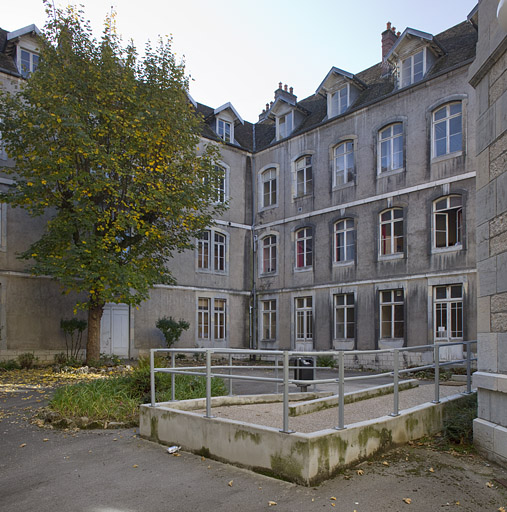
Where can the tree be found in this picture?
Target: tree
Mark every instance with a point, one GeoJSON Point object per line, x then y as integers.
{"type": "Point", "coordinates": [171, 329]}
{"type": "Point", "coordinates": [106, 144]}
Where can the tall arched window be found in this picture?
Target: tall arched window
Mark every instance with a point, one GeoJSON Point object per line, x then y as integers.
{"type": "Point", "coordinates": [447, 131]}
{"type": "Point", "coordinates": [269, 254]}
{"type": "Point", "coordinates": [304, 248]}
{"type": "Point", "coordinates": [448, 222]}
{"type": "Point", "coordinates": [344, 241]}
{"type": "Point", "coordinates": [390, 148]}
{"type": "Point", "coordinates": [344, 163]}
{"type": "Point", "coordinates": [269, 187]}
{"type": "Point", "coordinates": [391, 232]}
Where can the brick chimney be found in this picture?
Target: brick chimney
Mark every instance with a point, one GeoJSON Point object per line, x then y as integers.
{"type": "Point", "coordinates": [389, 37]}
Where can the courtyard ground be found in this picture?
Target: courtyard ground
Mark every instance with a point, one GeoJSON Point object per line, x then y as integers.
{"type": "Point", "coordinates": [116, 471]}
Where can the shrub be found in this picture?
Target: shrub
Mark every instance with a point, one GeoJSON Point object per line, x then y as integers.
{"type": "Point", "coordinates": [73, 330]}
{"type": "Point", "coordinates": [458, 420]}
{"type": "Point", "coordinates": [326, 362]}
{"type": "Point", "coordinates": [11, 364]}
{"type": "Point", "coordinates": [27, 360]}
{"type": "Point", "coordinates": [171, 329]}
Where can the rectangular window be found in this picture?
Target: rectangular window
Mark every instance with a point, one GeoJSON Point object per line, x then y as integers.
{"type": "Point", "coordinates": [268, 308]}
{"type": "Point", "coordinates": [212, 251]}
{"type": "Point", "coordinates": [448, 311]}
{"type": "Point", "coordinates": [391, 232]}
{"type": "Point", "coordinates": [344, 322]}
{"type": "Point", "coordinates": [304, 319]}
{"type": "Point", "coordinates": [285, 126]}
{"type": "Point", "coordinates": [203, 251]}
{"type": "Point", "coordinates": [304, 248]}
{"type": "Point", "coordinates": [345, 241]}
{"type": "Point", "coordinates": [203, 318]}
{"type": "Point", "coordinates": [391, 148]}
{"type": "Point", "coordinates": [269, 255]}
{"type": "Point", "coordinates": [447, 129]}
{"type": "Point", "coordinates": [304, 176]}
{"type": "Point", "coordinates": [344, 163]}
{"type": "Point", "coordinates": [268, 178]}
{"type": "Point", "coordinates": [219, 319]}
{"type": "Point", "coordinates": [29, 63]}
{"type": "Point", "coordinates": [392, 314]}
{"type": "Point", "coordinates": [412, 69]}
{"type": "Point", "coordinates": [224, 130]}
{"type": "Point", "coordinates": [340, 101]}
{"type": "Point", "coordinates": [448, 222]}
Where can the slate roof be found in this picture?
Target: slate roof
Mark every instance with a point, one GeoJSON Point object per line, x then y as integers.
{"type": "Point", "coordinates": [459, 45]}
{"type": "Point", "coordinates": [7, 64]}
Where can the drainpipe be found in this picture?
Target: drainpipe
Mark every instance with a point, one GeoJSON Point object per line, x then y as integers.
{"type": "Point", "coordinates": [253, 315]}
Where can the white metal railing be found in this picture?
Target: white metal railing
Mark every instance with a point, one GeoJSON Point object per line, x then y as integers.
{"type": "Point", "coordinates": [208, 371]}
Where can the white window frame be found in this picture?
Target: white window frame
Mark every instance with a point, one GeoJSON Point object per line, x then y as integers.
{"type": "Point", "coordinates": [284, 125]}
{"type": "Point", "coordinates": [269, 254]}
{"type": "Point", "coordinates": [344, 236]}
{"type": "Point", "coordinates": [212, 251]}
{"type": "Point", "coordinates": [447, 218]}
{"type": "Point", "coordinates": [448, 122]}
{"type": "Point", "coordinates": [222, 125]}
{"type": "Point", "coordinates": [391, 306]}
{"type": "Point", "coordinates": [212, 319]}
{"type": "Point", "coordinates": [269, 181]}
{"type": "Point", "coordinates": [32, 66]}
{"type": "Point", "coordinates": [386, 148]}
{"type": "Point", "coordinates": [303, 318]}
{"type": "Point", "coordinates": [344, 311]}
{"type": "Point", "coordinates": [343, 163]}
{"type": "Point", "coordinates": [303, 176]}
{"type": "Point", "coordinates": [447, 311]}
{"type": "Point", "coordinates": [203, 318]}
{"type": "Point", "coordinates": [392, 225]}
{"type": "Point", "coordinates": [269, 318]}
{"type": "Point", "coordinates": [303, 238]}
{"type": "Point", "coordinates": [407, 68]}
{"type": "Point", "coordinates": [339, 101]}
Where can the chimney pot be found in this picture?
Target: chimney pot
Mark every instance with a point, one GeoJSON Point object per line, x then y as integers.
{"type": "Point", "coordinates": [291, 90]}
{"type": "Point", "coordinates": [389, 38]}
{"type": "Point", "coordinates": [279, 85]}
{"type": "Point", "coordinates": [388, 25]}
{"type": "Point", "coordinates": [394, 30]}
{"type": "Point", "coordinates": [270, 104]}
{"type": "Point", "coordinates": [267, 106]}
{"type": "Point", "coordinates": [285, 87]}
{"type": "Point", "coordinates": [398, 34]}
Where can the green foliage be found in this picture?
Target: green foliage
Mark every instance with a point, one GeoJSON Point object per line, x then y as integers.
{"type": "Point", "coordinates": [171, 329]}
{"type": "Point", "coordinates": [108, 145]}
{"type": "Point", "coordinates": [73, 330]}
{"type": "Point", "coordinates": [105, 360]}
{"type": "Point", "coordinates": [27, 360]}
{"type": "Point", "coordinates": [118, 398]}
{"type": "Point", "coordinates": [10, 364]}
{"type": "Point", "coordinates": [458, 420]}
{"type": "Point", "coordinates": [326, 362]}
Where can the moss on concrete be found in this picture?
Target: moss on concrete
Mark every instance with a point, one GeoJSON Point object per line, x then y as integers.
{"type": "Point", "coordinates": [287, 467]}
{"type": "Point", "coordinates": [245, 435]}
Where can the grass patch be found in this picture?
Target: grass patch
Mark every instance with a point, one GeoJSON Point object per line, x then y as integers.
{"type": "Point", "coordinates": [117, 398]}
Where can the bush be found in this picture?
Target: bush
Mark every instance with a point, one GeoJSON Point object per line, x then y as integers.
{"type": "Point", "coordinates": [73, 330]}
{"type": "Point", "coordinates": [11, 364]}
{"type": "Point", "coordinates": [458, 420]}
{"type": "Point", "coordinates": [326, 362]}
{"type": "Point", "coordinates": [27, 360]}
{"type": "Point", "coordinates": [105, 360]}
{"type": "Point", "coordinates": [171, 329]}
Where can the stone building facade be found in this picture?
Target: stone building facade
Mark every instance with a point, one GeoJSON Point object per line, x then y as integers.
{"type": "Point", "coordinates": [351, 225]}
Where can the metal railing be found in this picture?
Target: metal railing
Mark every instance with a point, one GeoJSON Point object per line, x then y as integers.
{"type": "Point", "coordinates": [210, 371]}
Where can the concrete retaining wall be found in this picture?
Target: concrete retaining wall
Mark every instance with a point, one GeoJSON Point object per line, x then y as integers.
{"type": "Point", "coordinates": [302, 458]}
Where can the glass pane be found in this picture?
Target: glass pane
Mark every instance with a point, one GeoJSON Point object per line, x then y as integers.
{"type": "Point", "coordinates": [455, 108]}
{"type": "Point", "coordinates": [397, 129]}
{"type": "Point", "coordinates": [456, 291]}
{"type": "Point", "coordinates": [440, 292]}
{"type": "Point", "coordinates": [386, 216]}
{"type": "Point", "coordinates": [386, 296]}
{"type": "Point", "coordinates": [398, 213]}
{"type": "Point", "coordinates": [440, 113]}
{"type": "Point", "coordinates": [455, 201]}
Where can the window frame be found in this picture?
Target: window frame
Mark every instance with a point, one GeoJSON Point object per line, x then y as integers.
{"type": "Point", "coordinates": [305, 243]}
{"type": "Point", "coordinates": [305, 312]}
{"type": "Point", "coordinates": [453, 305]}
{"type": "Point", "coordinates": [25, 73]}
{"type": "Point", "coordinates": [347, 232]}
{"type": "Point", "coordinates": [336, 105]}
{"type": "Point", "coordinates": [221, 129]}
{"type": "Point", "coordinates": [272, 315]}
{"type": "Point", "coordinates": [459, 223]}
{"type": "Point", "coordinates": [394, 252]}
{"type": "Point", "coordinates": [447, 120]}
{"type": "Point", "coordinates": [212, 252]}
{"type": "Point", "coordinates": [272, 189]}
{"type": "Point", "coordinates": [287, 121]}
{"type": "Point", "coordinates": [212, 319]}
{"type": "Point", "coordinates": [349, 171]}
{"type": "Point", "coordinates": [391, 140]}
{"type": "Point", "coordinates": [412, 80]}
{"type": "Point", "coordinates": [346, 307]}
{"type": "Point", "coordinates": [391, 306]}
{"type": "Point", "coordinates": [303, 165]}
{"type": "Point", "coordinates": [272, 250]}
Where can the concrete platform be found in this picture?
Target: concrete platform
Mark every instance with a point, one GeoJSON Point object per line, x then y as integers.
{"type": "Point", "coordinates": [246, 430]}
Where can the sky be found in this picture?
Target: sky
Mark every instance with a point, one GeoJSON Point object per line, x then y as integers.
{"type": "Point", "coordinates": [238, 51]}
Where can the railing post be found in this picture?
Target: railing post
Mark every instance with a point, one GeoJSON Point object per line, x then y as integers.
{"type": "Point", "coordinates": [469, 368]}
{"type": "Point", "coordinates": [285, 428]}
{"type": "Point", "coordinates": [152, 377]}
{"type": "Point", "coordinates": [396, 355]}
{"type": "Point", "coordinates": [173, 377]}
{"type": "Point", "coordinates": [276, 375]}
{"type": "Point", "coordinates": [230, 373]}
{"type": "Point", "coordinates": [341, 392]}
{"type": "Point", "coordinates": [208, 383]}
{"type": "Point", "coordinates": [436, 360]}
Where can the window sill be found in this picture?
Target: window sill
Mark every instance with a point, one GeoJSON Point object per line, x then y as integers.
{"type": "Point", "coordinates": [389, 257]}
{"type": "Point", "coordinates": [447, 156]}
{"type": "Point", "coordinates": [343, 344]}
{"type": "Point", "coordinates": [213, 272]}
{"type": "Point", "coordinates": [297, 198]}
{"type": "Point", "coordinates": [268, 274]}
{"type": "Point", "coordinates": [391, 343]}
{"type": "Point", "coordinates": [347, 263]}
{"type": "Point", "coordinates": [302, 269]}
{"type": "Point", "coordinates": [342, 186]}
{"type": "Point", "coordinates": [270, 207]}
{"type": "Point", "coordinates": [392, 172]}
{"type": "Point", "coordinates": [444, 250]}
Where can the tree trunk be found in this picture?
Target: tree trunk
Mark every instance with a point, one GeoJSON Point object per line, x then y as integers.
{"type": "Point", "coordinates": [93, 339]}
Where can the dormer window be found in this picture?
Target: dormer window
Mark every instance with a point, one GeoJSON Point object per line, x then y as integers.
{"type": "Point", "coordinates": [224, 130]}
{"type": "Point", "coordinates": [412, 68]}
{"type": "Point", "coordinates": [284, 125]}
{"type": "Point", "coordinates": [28, 63]}
{"type": "Point", "coordinates": [340, 101]}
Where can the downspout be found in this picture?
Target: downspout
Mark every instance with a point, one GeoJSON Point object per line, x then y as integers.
{"type": "Point", "coordinates": [253, 315]}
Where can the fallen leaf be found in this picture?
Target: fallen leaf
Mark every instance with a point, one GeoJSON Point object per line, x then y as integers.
{"type": "Point", "coordinates": [385, 463]}
{"type": "Point", "coordinates": [333, 504]}
{"type": "Point", "coordinates": [45, 439]}
{"type": "Point", "coordinates": [360, 472]}
{"type": "Point", "coordinates": [209, 467]}
{"type": "Point", "coordinates": [134, 466]}
{"type": "Point", "coordinates": [431, 470]}
{"type": "Point", "coordinates": [203, 458]}
{"type": "Point", "coordinates": [489, 484]}
{"type": "Point", "coordinates": [230, 483]}
{"type": "Point", "coordinates": [272, 503]}
{"type": "Point", "coordinates": [408, 501]}
{"type": "Point", "coordinates": [457, 503]}
{"type": "Point", "coordinates": [332, 498]}
{"type": "Point", "coordinates": [176, 454]}
{"type": "Point", "coordinates": [22, 445]}
{"type": "Point", "coordinates": [501, 509]}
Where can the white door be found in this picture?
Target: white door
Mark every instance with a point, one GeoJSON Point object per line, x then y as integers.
{"type": "Point", "coordinates": [114, 330]}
